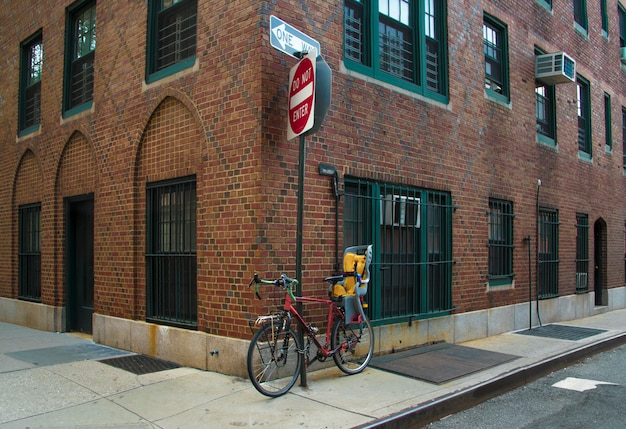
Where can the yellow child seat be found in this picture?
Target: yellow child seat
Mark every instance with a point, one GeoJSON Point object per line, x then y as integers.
{"type": "Point", "coordinates": [356, 260]}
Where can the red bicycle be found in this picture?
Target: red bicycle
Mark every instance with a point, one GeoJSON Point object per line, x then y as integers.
{"type": "Point", "coordinates": [276, 355]}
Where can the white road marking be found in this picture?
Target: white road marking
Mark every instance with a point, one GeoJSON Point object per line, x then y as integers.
{"type": "Point", "coordinates": [579, 384]}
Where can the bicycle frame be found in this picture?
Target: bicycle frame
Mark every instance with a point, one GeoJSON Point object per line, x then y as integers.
{"type": "Point", "coordinates": [333, 313]}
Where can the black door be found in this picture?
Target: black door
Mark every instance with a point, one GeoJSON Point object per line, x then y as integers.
{"type": "Point", "coordinates": [598, 272]}
{"type": "Point", "coordinates": [79, 263]}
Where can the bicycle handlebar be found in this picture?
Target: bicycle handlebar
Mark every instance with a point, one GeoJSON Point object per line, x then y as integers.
{"type": "Point", "coordinates": [284, 282]}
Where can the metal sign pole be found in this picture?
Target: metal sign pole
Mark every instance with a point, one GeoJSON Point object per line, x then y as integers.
{"type": "Point", "coordinates": [302, 157]}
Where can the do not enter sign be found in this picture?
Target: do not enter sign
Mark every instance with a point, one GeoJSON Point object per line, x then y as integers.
{"type": "Point", "coordinates": [301, 96]}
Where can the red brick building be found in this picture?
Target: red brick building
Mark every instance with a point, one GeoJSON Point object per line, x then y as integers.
{"type": "Point", "coordinates": [147, 172]}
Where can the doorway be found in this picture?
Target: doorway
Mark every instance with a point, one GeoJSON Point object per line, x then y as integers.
{"type": "Point", "coordinates": [79, 263]}
{"type": "Point", "coordinates": [599, 263]}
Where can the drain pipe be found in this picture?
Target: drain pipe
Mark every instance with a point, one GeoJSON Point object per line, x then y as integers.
{"type": "Point", "coordinates": [537, 249]}
{"type": "Point", "coordinates": [530, 285]}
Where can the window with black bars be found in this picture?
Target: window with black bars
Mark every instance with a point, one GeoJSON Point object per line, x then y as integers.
{"type": "Point", "coordinates": [171, 253]}
{"type": "Point", "coordinates": [548, 257]}
{"type": "Point", "coordinates": [624, 137]}
{"type": "Point", "coordinates": [621, 14]}
{"type": "Point", "coordinates": [604, 13]}
{"type": "Point", "coordinates": [580, 13]}
{"type": "Point", "coordinates": [29, 253]}
{"type": "Point", "coordinates": [500, 243]}
{"type": "Point", "coordinates": [582, 253]}
{"type": "Point", "coordinates": [584, 115]}
{"type": "Point", "coordinates": [30, 83]}
{"type": "Point", "coordinates": [398, 41]}
{"type": "Point", "coordinates": [173, 36]}
{"type": "Point", "coordinates": [608, 133]}
{"type": "Point", "coordinates": [411, 232]}
{"type": "Point", "coordinates": [81, 52]}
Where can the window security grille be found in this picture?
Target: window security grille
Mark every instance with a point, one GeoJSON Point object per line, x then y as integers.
{"type": "Point", "coordinates": [29, 253]}
{"type": "Point", "coordinates": [411, 229]}
{"type": "Point", "coordinates": [582, 253]}
{"type": "Point", "coordinates": [500, 242]}
{"type": "Point", "coordinates": [171, 253]}
{"type": "Point", "coordinates": [548, 258]}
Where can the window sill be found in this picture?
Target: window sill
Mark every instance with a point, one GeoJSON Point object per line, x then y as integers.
{"type": "Point", "coordinates": [188, 64]}
{"type": "Point", "coordinates": [547, 142]}
{"type": "Point", "coordinates": [441, 101]}
{"type": "Point", "coordinates": [29, 132]}
{"type": "Point", "coordinates": [584, 156]}
{"type": "Point", "coordinates": [498, 98]}
{"type": "Point", "coordinates": [75, 111]}
{"type": "Point", "coordinates": [500, 283]}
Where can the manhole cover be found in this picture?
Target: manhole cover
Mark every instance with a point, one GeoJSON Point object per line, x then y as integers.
{"type": "Point", "coordinates": [562, 332]}
{"type": "Point", "coordinates": [140, 364]}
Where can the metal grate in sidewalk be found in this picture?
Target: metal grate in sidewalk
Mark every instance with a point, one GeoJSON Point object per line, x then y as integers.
{"type": "Point", "coordinates": [562, 332]}
{"type": "Point", "coordinates": [140, 364]}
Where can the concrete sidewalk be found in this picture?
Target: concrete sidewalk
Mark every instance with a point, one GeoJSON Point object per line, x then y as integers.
{"type": "Point", "coordinates": [57, 380]}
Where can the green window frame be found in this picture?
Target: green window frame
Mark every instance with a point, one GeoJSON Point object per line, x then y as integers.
{"type": "Point", "coordinates": [546, 113]}
{"type": "Point", "coordinates": [399, 42]}
{"type": "Point", "coordinates": [411, 229]}
{"type": "Point", "coordinates": [171, 266]}
{"type": "Point", "coordinates": [80, 52]}
{"type": "Point", "coordinates": [580, 15]}
{"type": "Point", "coordinates": [546, 3]}
{"type": "Point", "coordinates": [500, 240]}
{"type": "Point", "coordinates": [584, 116]}
{"type": "Point", "coordinates": [582, 253]}
{"type": "Point", "coordinates": [495, 41]}
{"type": "Point", "coordinates": [608, 132]}
{"type": "Point", "coordinates": [29, 252]}
{"type": "Point", "coordinates": [621, 14]}
{"type": "Point", "coordinates": [31, 65]}
{"type": "Point", "coordinates": [548, 257]}
{"type": "Point", "coordinates": [604, 13]}
{"type": "Point", "coordinates": [624, 137]}
{"type": "Point", "coordinates": [172, 37]}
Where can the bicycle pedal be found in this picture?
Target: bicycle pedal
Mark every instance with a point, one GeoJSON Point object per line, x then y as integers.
{"type": "Point", "coordinates": [364, 305]}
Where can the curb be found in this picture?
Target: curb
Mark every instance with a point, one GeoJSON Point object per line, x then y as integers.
{"type": "Point", "coordinates": [472, 396]}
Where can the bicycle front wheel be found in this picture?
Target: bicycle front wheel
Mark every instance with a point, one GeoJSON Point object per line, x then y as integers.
{"type": "Point", "coordinates": [274, 360]}
{"type": "Point", "coordinates": [356, 345]}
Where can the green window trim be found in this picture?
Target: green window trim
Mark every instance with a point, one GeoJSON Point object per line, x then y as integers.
{"type": "Point", "coordinates": [171, 265]}
{"type": "Point", "coordinates": [608, 131]}
{"type": "Point", "coordinates": [500, 243]}
{"type": "Point", "coordinates": [80, 48]}
{"type": "Point", "coordinates": [604, 13]}
{"type": "Point", "coordinates": [29, 102]}
{"type": "Point", "coordinates": [580, 16]}
{"type": "Point", "coordinates": [172, 37]}
{"type": "Point", "coordinates": [582, 253]}
{"type": "Point", "coordinates": [545, 3]}
{"type": "Point", "coordinates": [496, 56]}
{"type": "Point", "coordinates": [411, 53]}
{"type": "Point", "coordinates": [29, 252]}
{"type": "Point", "coordinates": [411, 230]}
{"type": "Point", "coordinates": [584, 117]}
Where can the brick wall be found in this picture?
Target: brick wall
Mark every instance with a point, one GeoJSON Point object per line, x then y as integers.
{"type": "Point", "coordinates": [224, 120]}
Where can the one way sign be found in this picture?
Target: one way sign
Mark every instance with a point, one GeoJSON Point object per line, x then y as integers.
{"type": "Point", "coordinates": [289, 40]}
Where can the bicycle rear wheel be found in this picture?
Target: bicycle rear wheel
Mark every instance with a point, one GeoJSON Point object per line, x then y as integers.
{"type": "Point", "coordinates": [274, 360]}
{"type": "Point", "coordinates": [357, 345]}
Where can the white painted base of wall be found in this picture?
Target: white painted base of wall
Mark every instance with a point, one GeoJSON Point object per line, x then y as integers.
{"type": "Point", "coordinates": [228, 355]}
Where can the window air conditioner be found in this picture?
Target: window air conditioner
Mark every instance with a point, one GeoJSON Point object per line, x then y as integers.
{"type": "Point", "coordinates": [622, 55]}
{"type": "Point", "coordinates": [551, 69]}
